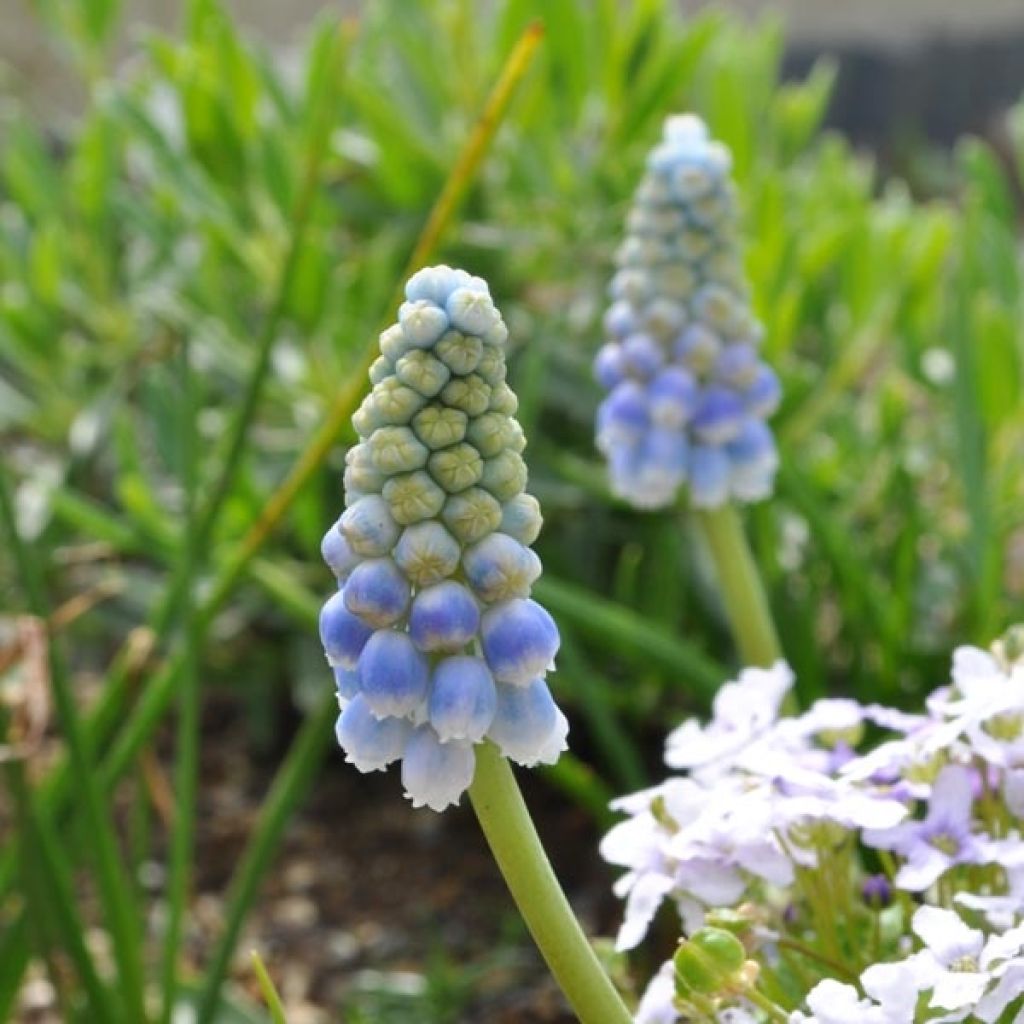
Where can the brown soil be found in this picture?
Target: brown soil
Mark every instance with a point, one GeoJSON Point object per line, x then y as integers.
{"type": "Point", "coordinates": [372, 911]}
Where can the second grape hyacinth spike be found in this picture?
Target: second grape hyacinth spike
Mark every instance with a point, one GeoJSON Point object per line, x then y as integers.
{"type": "Point", "coordinates": [688, 394]}
{"type": "Point", "coordinates": [434, 640]}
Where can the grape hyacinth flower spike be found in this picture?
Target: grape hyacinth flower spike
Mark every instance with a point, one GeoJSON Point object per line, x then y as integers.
{"type": "Point", "coordinates": [438, 650]}
{"type": "Point", "coordinates": [434, 639]}
{"type": "Point", "coordinates": [688, 394]}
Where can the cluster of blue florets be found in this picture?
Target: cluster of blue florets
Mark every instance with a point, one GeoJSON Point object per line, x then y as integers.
{"type": "Point", "coordinates": [688, 394]}
{"type": "Point", "coordinates": [434, 640]}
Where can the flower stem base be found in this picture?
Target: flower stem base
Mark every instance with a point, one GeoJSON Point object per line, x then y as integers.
{"type": "Point", "coordinates": [517, 849]}
{"type": "Point", "coordinates": [746, 604]}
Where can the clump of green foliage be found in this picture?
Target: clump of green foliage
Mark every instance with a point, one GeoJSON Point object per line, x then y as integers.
{"type": "Point", "coordinates": [192, 269]}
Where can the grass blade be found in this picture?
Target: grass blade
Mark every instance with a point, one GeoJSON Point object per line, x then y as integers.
{"type": "Point", "coordinates": [270, 996]}
{"type": "Point", "coordinates": [632, 633]}
{"type": "Point", "coordinates": [44, 855]}
{"type": "Point", "coordinates": [116, 893]}
{"type": "Point", "coordinates": [291, 783]}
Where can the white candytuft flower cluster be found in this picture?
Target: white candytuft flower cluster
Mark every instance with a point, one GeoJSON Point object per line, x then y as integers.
{"type": "Point", "coordinates": [434, 640]}
{"type": "Point", "coordinates": [899, 867]}
{"type": "Point", "coordinates": [688, 395]}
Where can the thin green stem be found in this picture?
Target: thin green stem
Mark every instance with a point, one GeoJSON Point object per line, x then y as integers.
{"type": "Point", "coordinates": [44, 858]}
{"type": "Point", "coordinates": [760, 1000]}
{"type": "Point", "coordinates": [115, 891]}
{"type": "Point", "coordinates": [274, 1005]}
{"type": "Point", "coordinates": [291, 784]}
{"type": "Point", "coordinates": [516, 847]}
{"type": "Point", "coordinates": [835, 966]}
{"type": "Point", "coordinates": [15, 954]}
{"type": "Point", "coordinates": [746, 604]}
{"type": "Point", "coordinates": [186, 767]}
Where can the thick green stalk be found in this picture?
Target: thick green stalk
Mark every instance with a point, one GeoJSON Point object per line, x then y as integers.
{"type": "Point", "coordinates": [516, 847]}
{"type": "Point", "coordinates": [746, 604]}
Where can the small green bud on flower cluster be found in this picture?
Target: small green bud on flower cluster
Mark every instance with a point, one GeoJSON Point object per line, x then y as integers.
{"type": "Point", "coordinates": [711, 967]}
{"type": "Point", "coordinates": [435, 642]}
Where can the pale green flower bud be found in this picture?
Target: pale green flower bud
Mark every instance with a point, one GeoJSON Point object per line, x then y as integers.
{"type": "Point", "coordinates": [456, 468]}
{"type": "Point", "coordinates": [397, 450]}
{"type": "Point", "coordinates": [413, 497]}
{"type": "Point", "coordinates": [422, 372]}
{"type": "Point", "coordinates": [496, 335]}
{"type": "Point", "coordinates": [459, 352]}
{"type": "Point", "coordinates": [422, 322]}
{"type": "Point", "coordinates": [521, 518]}
{"type": "Point", "coordinates": [504, 475]}
{"type": "Point", "coordinates": [367, 417]}
{"type": "Point", "coordinates": [503, 400]}
{"type": "Point", "coordinates": [360, 472]}
{"type": "Point", "coordinates": [438, 427]}
{"type": "Point", "coordinates": [489, 433]}
{"type": "Point", "coordinates": [470, 394]}
{"type": "Point", "coordinates": [427, 553]}
{"type": "Point", "coordinates": [380, 370]}
{"type": "Point", "coordinates": [492, 364]}
{"type": "Point", "coordinates": [394, 344]}
{"type": "Point", "coordinates": [472, 514]}
{"type": "Point", "coordinates": [395, 403]}
{"type": "Point", "coordinates": [515, 436]}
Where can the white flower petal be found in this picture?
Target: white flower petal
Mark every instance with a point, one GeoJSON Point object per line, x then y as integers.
{"type": "Point", "coordinates": [946, 935]}
{"type": "Point", "coordinates": [656, 1005]}
{"type": "Point", "coordinates": [644, 899]}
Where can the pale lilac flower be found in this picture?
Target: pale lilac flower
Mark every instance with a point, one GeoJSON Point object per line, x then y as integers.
{"type": "Point", "coordinates": [1013, 791]}
{"type": "Point", "coordinates": [759, 786]}
{"type": "Point", "coordinates": [658, 1003]}
{"type": "Point", "coordinates": [985, 705]}
{"type": "Point", "coordinates": [742, 711]}
{"type": "Point", "coordinates": [1002, 958]}
{"type": "Point", "coordinates": [641, 844]}
{"type": "Point", "coordinates": [808, 796]}
{"type": "Point", "coordinates": [949, 963]}
{"type": "Point", "coordinates": [943, 839]}
{"type": "Point", "coordinates": [832, 1002]}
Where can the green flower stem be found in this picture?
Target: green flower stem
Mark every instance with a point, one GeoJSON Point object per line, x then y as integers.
{"type": "Point", "coordinates": [760, 1000]}
{"type": "Point", "coordinates": [746, 604]}
{"type": "Point", "coordinates": [516, 847]}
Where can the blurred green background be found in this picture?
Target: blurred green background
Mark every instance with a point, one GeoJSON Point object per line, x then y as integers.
{"type": "Point", "coordinates": [190, 270]}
